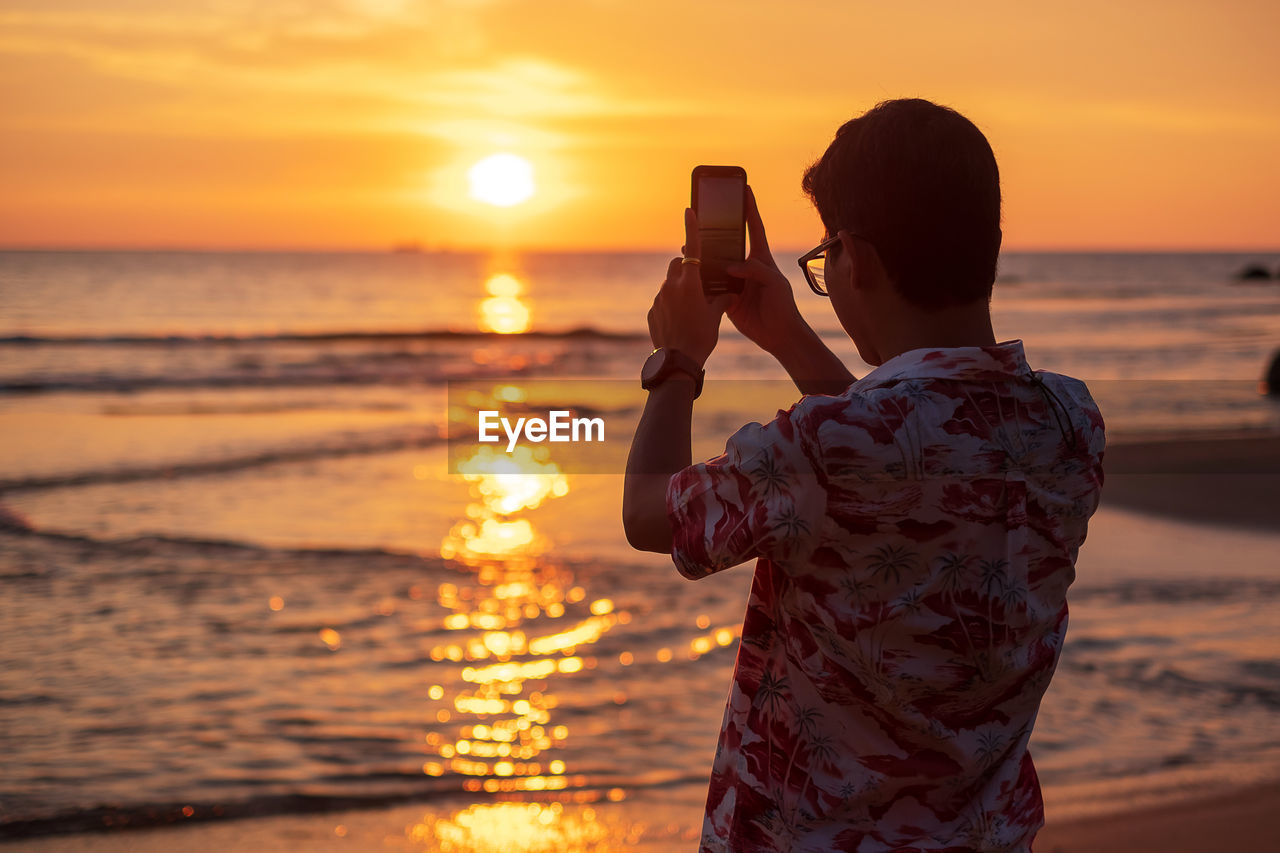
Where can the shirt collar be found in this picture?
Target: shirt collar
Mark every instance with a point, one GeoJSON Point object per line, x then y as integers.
{"type": "Point", "coordinates": [1001, 361]}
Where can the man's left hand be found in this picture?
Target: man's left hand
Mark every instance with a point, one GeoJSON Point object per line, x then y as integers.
{"type": "Point", "coordinates": [682, 317]}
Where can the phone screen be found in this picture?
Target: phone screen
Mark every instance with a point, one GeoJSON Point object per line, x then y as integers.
{"type": "Point", "coordinates": [720, 205]}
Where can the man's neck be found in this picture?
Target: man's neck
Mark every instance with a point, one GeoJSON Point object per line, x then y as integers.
{"type": "Point", "coordinates": [957, 326]}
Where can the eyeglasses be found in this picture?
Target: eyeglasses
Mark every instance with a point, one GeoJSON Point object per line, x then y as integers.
{"type": "Point", "coordinates": [814, 263]}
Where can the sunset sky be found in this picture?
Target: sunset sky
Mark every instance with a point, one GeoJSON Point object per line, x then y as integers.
{"type": "Point", "coordinates": [353, 123]}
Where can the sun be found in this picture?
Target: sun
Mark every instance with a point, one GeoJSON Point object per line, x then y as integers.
{"type": "Point", "coordinates": [503, 180]}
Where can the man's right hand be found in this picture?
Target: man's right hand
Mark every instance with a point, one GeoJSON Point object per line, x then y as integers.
{"type": "Point", "coordinates": [765, 311]}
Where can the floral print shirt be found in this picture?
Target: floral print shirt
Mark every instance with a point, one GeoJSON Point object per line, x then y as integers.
{"type": "Point", "coordinates": [915, 538]}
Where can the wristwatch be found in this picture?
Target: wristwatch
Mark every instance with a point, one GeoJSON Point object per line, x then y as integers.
{"type": "Point", "coordinates": [665, 361]}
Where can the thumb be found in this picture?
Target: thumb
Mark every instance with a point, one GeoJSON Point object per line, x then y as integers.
{"type": "Point", "coordinates": [752, 268]}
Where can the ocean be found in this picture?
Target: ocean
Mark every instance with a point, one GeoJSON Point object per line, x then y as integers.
{"type": "Point", "coordinates": [241, 571]}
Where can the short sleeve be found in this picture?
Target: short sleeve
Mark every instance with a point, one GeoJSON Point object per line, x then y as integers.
{"type": "Point", "coordinates": [763, 497]}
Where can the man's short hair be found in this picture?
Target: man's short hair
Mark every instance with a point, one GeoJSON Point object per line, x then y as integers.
{"type": "Point", "coordinates": [920, 182]}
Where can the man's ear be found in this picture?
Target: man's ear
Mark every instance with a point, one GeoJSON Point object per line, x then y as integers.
{"type": "Point", "coordinates": [865, 267]}
{"type": "Point", "coordinates": [849, 246]}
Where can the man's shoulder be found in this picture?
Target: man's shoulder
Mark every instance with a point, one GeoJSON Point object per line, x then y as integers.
{"type": "Point", "coordinates": [1085, 416]}
{"type": "Point", "coordinates": [1075, 386]}
{"type": "Point", "coordinates": [864, 403]}
{"type": "Point", "coordinates": [813, 412]}
{"type": "Point", "coordinates": [868, 423]}
{"type": "Point", "coordinates": [856, 427]}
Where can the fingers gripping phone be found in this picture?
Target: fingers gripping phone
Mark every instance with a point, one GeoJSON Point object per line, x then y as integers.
{"type": "Point", "coordinates": [720, 201]}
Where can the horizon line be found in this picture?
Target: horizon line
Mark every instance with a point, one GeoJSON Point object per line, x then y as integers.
{"type": "Point", "coordinates": [414, 248]}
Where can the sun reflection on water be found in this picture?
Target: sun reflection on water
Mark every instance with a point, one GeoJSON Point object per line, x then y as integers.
{"type": "Point", "coordinates": [520, 622]}
{"type": "Point", "coordinates": [512, 827]}
{"type": "Point", "coordinates": [503, 311]}
{"type": "Point", "coordinates": [516, 628]}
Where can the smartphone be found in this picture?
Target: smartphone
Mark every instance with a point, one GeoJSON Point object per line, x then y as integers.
{"type": "Point", "coordinates": [720, 200]}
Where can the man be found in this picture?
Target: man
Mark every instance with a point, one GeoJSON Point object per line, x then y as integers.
{"type": "Point", "coordinates": [916, 530]}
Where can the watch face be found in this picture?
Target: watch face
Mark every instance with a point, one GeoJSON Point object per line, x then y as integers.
{"type": "Point", "coordinates": [653, 366]}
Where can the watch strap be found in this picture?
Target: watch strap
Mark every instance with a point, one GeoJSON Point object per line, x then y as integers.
{"type": "Point", "coordinates": [674, 361]}
{"type": "Point", "coordinates": [685, 364]}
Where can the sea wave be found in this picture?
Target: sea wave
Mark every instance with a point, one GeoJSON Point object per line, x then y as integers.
{"type": "Point", "coordinates": [357, 371]}
{"type": "Point", "coordinates": [391, 787]}
{"type": "Point", "coordinates": [1209, 591]}
{"type": "Point", "coordinates": [187, 555]}
{"type": "Point", "coordinates": [131, 363]}
{"type": "Point", "coordinates": [419, 436]}
{"type": "Point", "coordinates": [575, 333]}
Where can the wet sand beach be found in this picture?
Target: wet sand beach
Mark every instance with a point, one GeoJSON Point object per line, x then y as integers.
{"type": "Point", "coordinates": [1247, 819]}
{"type": "Point", "coordinates": [1226, 478]}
